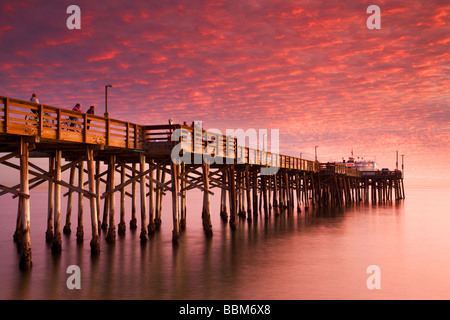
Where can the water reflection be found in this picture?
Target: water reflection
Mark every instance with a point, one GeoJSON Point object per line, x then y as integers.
{"type": "Point", "coordinates": [320, 253]}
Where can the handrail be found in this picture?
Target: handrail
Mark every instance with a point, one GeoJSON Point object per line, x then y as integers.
{"type": "Point", "coordinates": [31, 119]}
{"type": "Point", "coordinates": [199, 141]}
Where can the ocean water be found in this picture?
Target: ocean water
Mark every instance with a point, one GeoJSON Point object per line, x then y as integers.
{"type": "Point", "coordinates": [318, 254]}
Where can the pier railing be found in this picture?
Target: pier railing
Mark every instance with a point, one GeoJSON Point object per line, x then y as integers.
{"type": "Point", "coordinates": [31, 119]}
{"type": "Point", "coordinates": [397, 174]}
{"type": "Point", "coordinates": [22, 117]}
{"type": "Point", "coordinates": [198, 141]}
{"type": "Point", "coordinates": [339, 168]}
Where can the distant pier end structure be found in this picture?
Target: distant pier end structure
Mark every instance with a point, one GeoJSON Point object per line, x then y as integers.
{"type": "Point", "coordinates": [107, 158]}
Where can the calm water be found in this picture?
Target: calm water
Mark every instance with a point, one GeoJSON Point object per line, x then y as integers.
{"type": "Point", "coordinates": [317, 255]}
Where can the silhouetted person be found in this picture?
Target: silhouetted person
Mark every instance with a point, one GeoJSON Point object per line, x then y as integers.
{"type": "Point", "coordinates": [78, 109]}
{"type": "Point", "coordinates": [90, 111]}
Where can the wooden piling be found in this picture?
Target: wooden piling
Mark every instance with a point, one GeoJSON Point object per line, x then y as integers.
{"type": "Point", "coordinates": [298, 194]}
{"type": "Point", "coordinates": [223, 197]}
{"type": "Point", "coordinates": [206, 211]}
{"type": "Point", "coordinates": [264, 195]}
{"type": "Point", "coordinates": [240, 196]}
{"type": "Point", "coordinates": [183, 199]}
{"type": "Point", "coordinates": [143, 234]}
{"type": "Point", "coordinates": [175, 202]}
{"type": "Point", "coordinates": [104, 224]}
{"type": "Point", "coordinates": [255, 191]}
{"type": "Point", "coordinates": [50, 201]}
{"type": "Point", "coordinates": [151, 204]}
{"type": "Point", "coordinates": [248, 191]}
{"type": "Point", "coordinates": [56, 242]}
{"type": "Point", "coordinates": [133, 220]}
{"type": "Point", "coordinates": [160, 175]}
{"type": "Point", "coordinates": [122, 226]}
{"type": "Point", "coordinates": [95, 241]}
{"type": "Point", "coordinates": [17, 237]}
{"type": "Point", "coordinates": [25, 262]}
{"type": "Point", "coordinates": [67, 226]}
{"type": "Point", "coordinates": [111, 235]}
{"type": "Point", "coordinates": [232, 196]}
{"type": "Point", "coordinates": [97, 190]}
{"type": "Point", "coordinates": [80, 232]}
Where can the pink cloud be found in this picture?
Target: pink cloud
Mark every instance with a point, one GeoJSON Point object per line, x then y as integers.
{"type": "Point", "coordinates": [311, 69]}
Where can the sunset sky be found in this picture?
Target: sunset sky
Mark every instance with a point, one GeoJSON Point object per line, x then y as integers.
{"type": "Point", "coordinates": [310, 68]}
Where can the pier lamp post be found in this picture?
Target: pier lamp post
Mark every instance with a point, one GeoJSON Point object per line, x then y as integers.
{"type": "Point", "coordinates": [316, 151]}
{"type": "Point", "coordinates": [402, 162]}
{"type": "Point", "coordinates": [106, 99]}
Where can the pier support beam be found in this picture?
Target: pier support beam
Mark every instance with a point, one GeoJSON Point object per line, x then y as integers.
{"type": "Point", "coordinates": [183, 206]}
{"type": "Point", "coordinates": [95, 241]}
{"type": "Point", "coordinates": [248, 191]}
{"type": "Point", "coordinates": [56, 243]}
{"type": "Point", "coordinates": [160, 176]}
{"type": "Point", "coordinates": [151, 228]}
{"type": "Point", "coordinates": [66, 229]}
{"type": "Point", "coordinates": [122, 226]}
{"type": "Point", "coordinates": [104, 224]}
{"type": "Point", "coordinates": [232, 196]}
{"type": "Point", "coordinates": [80, 232]}
{"type": "Point", "coordinates": [133, 221]}
{"type": "Point", "coordinates": [111, 236]}
{"type": "Point", "coordinates": [50, 201]}
{"type": "Point", "coordinates": [25, 262]}
{"type": "Point", "coordinates": [143, 235]}
{"type": "Point", "coordinates": [97, 189]}
{"type": "Point", "coordinates": [206, 212]}
{"type": "Point", "coordinates": [223, 197]}
{"type": "Point", "coordinates": [255, 191]}
{"type": "Point", "coordinates": [175, 201]}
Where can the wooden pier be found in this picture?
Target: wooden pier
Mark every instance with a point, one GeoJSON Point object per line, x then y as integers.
{"type": "Point", "coordinates": [160, 159]}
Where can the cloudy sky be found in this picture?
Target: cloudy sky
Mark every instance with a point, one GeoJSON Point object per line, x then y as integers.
{"type": "Point", "coordinates": [310, 68]}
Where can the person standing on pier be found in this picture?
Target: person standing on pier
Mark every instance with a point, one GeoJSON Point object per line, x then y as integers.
{"type": "Point", "coordinates": [90, 111]}
{"type": "Point", "coordinates": [34, 99]}
{"type": "Point", "coordinates": [78, 109]}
